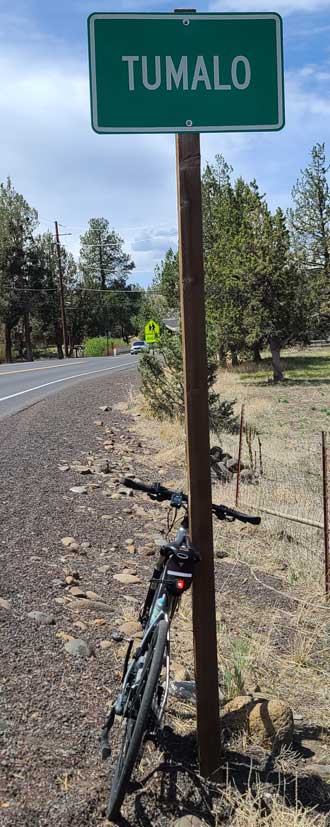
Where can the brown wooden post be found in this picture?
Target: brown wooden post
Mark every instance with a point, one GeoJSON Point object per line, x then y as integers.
{"type": "Point", "coordinates": [325, 512]}
{"type": "Point", "coordinates": [60, 273]}
{"type": "Point", "coordinates": [238, 478]}
{"type": "Point", "coordinates": [198, 446]}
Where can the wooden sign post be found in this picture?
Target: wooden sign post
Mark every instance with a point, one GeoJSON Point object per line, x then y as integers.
{"type": "Point", "coordinates": [198, 446]}
{"type": "Point", "coordinates": [189, 73]}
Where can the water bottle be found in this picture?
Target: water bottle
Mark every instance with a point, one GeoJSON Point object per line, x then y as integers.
{"type": "Point", "coordinates": [159, 607]}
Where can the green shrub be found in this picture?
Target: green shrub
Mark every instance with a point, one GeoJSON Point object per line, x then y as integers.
{"type": "Point", "coordinates": [98, 345]}
{"type": "Point", "coordinates": [2, 352]}
{"type": "Point", "coordinates": [162, 386]}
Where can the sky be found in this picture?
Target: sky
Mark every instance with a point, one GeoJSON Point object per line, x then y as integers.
{"type": "Point", "coordinates": [69, 173]}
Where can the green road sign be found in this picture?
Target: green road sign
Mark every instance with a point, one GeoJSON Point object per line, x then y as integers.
{"type": "Point", "coordinates": [151, 332]}
{"type": "Point", "coordinates": [186, 72]}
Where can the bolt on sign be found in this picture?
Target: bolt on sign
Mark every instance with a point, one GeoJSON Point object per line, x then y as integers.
{"type": "Point", "coordinates": [186, 72]}
{"type": "Point", "coordinates": [151, 332]}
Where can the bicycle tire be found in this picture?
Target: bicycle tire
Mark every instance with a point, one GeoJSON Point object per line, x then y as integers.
{"type": "Point", "coordinates": [135, 728]}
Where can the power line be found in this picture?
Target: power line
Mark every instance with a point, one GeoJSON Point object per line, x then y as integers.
{"type": "Point", "coordinates": [108, 292]}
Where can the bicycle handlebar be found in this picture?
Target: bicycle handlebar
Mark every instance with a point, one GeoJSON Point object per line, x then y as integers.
{"type": "Point", "coordinates": [160, 493]}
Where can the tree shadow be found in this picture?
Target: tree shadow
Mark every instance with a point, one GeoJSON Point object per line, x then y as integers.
{"type": "Point", "coordinates": [289, 382]}
{"type": "Point", "coordinates": [180, 789]}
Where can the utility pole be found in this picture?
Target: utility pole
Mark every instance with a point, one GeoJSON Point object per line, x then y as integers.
{"type": "Point", "coordinates": [60, 272]}
{"type": "Point", "coordinates": [198, 448]}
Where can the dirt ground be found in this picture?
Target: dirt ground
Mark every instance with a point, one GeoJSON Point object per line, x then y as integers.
{"type": "Point", "coordinates": [53, 703]}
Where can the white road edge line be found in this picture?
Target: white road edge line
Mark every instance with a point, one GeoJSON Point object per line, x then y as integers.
{"type": "Point", "coordinates": [64, 379]}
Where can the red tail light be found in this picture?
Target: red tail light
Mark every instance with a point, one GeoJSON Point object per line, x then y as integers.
{"type": "Point", "coordinates": [180, 584]}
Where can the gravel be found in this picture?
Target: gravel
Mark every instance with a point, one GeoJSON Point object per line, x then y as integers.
{"type": "Point", "coordinates": [52, 705]}
{"type": "Point", "coordinates": [53, 702]}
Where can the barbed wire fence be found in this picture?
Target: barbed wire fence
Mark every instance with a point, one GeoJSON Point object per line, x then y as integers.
{"type": "Point", "coordinates": [290, 490]}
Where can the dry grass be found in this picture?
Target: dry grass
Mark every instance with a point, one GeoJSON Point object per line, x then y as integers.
{"type": "Point", "coordinates": [280, 642]}
{"type": "Point", "coordinates": [262, 809]}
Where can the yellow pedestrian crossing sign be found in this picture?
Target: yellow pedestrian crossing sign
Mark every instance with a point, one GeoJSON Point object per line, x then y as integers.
{"type": "Point", "coordinates": [151, 332]}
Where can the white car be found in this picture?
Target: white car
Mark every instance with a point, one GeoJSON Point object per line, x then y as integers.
{"type": "Point", "coordinates": [138, 347]}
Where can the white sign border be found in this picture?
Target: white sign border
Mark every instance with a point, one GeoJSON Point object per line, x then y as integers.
{"type": "Point", "coordinates": [101, 130]}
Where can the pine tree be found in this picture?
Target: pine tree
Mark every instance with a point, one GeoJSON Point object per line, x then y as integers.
{"type": "Point", "coordinates": [103, 261]}
{"type": "Point", "coordinates": [105, 268]}
{"type": "Point", "coordinates": [162, 386]}
{"type": "Point", "coordinates": [17, 222]}
{"type": "Point", "coordinates": [309, 222]}
{"type": "Point", "coordinates": [166, 279]}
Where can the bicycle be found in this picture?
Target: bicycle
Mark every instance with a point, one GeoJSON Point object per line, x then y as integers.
{"type": "Point", "coordinates": [142, 699]}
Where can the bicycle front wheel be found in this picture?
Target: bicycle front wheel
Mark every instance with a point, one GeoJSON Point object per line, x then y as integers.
{"type": "Point", "coordinates": [135, 727]}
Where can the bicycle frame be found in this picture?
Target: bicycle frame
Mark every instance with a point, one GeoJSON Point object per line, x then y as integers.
{"type": "Point", "coordinates": [172, 603]}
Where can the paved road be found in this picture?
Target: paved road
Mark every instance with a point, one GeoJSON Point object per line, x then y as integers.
{"type": "Point", "coordinates": [25, 384]}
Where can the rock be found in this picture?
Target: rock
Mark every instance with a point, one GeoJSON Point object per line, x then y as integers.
{"type": "Point", "coordinates": [64, 467]}
{"type": "Point", "coordinates": [79, 489]}
{"type": "Point", "coordinates": [68, 542]}
{"type": "Point", "coordinates": [105, 408]}
{"type": "Point", "coordinates": [127, 492]}
{"type": "Point", "coordinates": [270, 724]}
{"type": "Point", "coordinates": [222, 472]}
{"type": "Point", "coordinates": [185, 690]}
{"type": "Point", "coordinates": [82, 469]}
{"type": "Point", "coordinates": [4, 604]}
{"type": "Point", "coordinates": [107, 517]}
{"type": "Point", "coordinates": [117, 636]}
{"type": "Point", "coordinates": [130, 628]}
{"type": "Point", "coordinates": [189, 820]}
{"type": "Point", "coordinates": [127, 578]}
{"type": "Point", "coordinates": [42, 619]}
{"type": "Point", "coordinates": [216, 453]}
{"type": "Point", "coordinates": [69, 580]}
{"type": "Point", "coordinates": [221, 553]}
{"type": "Point", "coordinates": [85, 603]}
{"type": "Point", "coordinates": [77, 592]}
{"type": "Point", "coordinates": [93, 596]}
{"type": "Point", "coordinates": [80, 625]}
{"type": "Point", "coordinates": [3, 726]}
{"type": "Point", "coordinates": [99, 423]}
{"type": "Point", "coordinates": [232, 465]}
{"type": "Point", "coordinates": [225, 458]}
{"type": "Point", "coordinates": [102, 467]}
{"type": "Point", "coordinates": [104, 569]}
{"type": "Point", "coordinates": [131, 549]}
{"type": "Point", "coordinates": [130, 540]}
{"type": "Point", "coordinates": [100, 621]}
{"type": "Point", "coordinates": [234, 714]}
{"type": "Point", "coordinates": [84, 546]}
{"type": "Point", "coordinates": [74, 548]}
{"type": "Point", "coordinates": [105, 644]}
{"type": "Point", "coordinates": [64, 636]}
{"type": "Point", "coordinates": [180, 672]}
{"type": "Point", "coordinates": [248, 477]}
{"type": "Point", "coordinates": [78, 647]}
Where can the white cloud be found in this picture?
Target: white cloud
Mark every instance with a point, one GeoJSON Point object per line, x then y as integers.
{"type": "Point", "coordinates": [281, 6]}
{"type": "Point", "coordinates": [66, 171]}
{"type": "Point", "coordinates": [71, 174]}
{"type": "Point", "coordinates": [156, 240]}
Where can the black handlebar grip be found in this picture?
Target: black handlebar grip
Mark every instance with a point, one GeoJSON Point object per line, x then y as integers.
{"type": "Point", "coordinates": [139, 486]}
{"type": "Point", "coordinates": [248, 519]}
{"type": "Point", "coordinates": [222, 511]}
